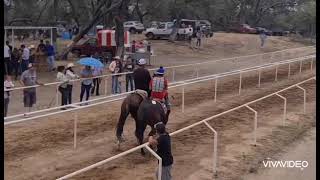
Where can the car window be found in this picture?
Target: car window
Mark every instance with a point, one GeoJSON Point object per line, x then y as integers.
{"type": "Point", "coordinates": [161, 26]}
{"type": "Point", "coordinates": [170, 25]}
{"type": "Point", "coordinates": [92, 42]}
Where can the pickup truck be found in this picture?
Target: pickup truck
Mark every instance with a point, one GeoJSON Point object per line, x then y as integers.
{"type": "Point", "coordinates": [89, 47]}
{"type": "Point", "coordinates": [164, 29]}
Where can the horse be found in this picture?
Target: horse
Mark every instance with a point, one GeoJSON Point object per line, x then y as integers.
{"type": "Point", "coordinates": [150, 112]}
{"type": "Point", "coordinates": [144, 111]}
{"type": "Point", "coordinates": [130, 105]}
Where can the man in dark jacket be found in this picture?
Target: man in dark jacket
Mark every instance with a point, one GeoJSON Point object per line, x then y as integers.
{"type": "Point", "coordinates": [163, 143]}
{"type": "Point", "coordinates": [141, 77]}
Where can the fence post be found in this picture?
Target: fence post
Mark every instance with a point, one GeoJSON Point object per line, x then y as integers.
{"type": "Point", "coordinates": [51, 38]}
{"type": "Point", "coordinates": [255, 125]}
{"type": "Point", "coordinates": [311, 63]}
{"type": "Point", "coordinates": [75, 129]}
{"type": "Point", "coordinates": [276, 75]}
{"type": "Point", "coordinates": [289, 70]}
{"type": "Point", "coordinates": [106, 85]}
{"type": "Point", "coordinates": [173, 74]}
{"type": "Point", "coordinates": [284, 109]}
{"type": "Point", "coordinates": [300, 67]}
{"type": "Point", "coordinates": [12, 37]}
{"type": "Point", "coordinates": [215, 148]}
{"type": "Point", "coordinates": [215, 89]}
{"type": "Point", "coordinates": [259, 84]}
{"type": "Point", "coordinates": [159, 159]}
{"type": "Point", "coordinates": [183, 98]}
{"type": "Point", "coordinates": [57, 95]}
{"type": "Point", "coordinates": [304, 98]}
{"type": "Point", "coordinates": [240, 82]}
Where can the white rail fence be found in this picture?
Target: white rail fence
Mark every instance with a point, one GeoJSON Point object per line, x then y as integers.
{"type": "Point", "coordinates": [181, 84]}
{"type": "Point", "coordinates": [205, 121]}
{"type": "Point", "coordinates": [172, 67]}
{"type": "Point", "coordinates": [43, 103]}
{"type": "Point", "coordinates": [172, 85]}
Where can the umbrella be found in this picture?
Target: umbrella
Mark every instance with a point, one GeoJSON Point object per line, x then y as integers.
{"type": "Point", "coordinates": [89, 61]}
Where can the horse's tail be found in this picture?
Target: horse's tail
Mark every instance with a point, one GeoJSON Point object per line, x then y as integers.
{"type": "Point", "coordinates": [122, 119]}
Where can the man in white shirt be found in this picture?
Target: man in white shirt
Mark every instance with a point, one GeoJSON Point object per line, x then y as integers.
{"type": "Point", "coordinates": [7, 55]}
{"type": "Point", "coordinates": [25, 57]}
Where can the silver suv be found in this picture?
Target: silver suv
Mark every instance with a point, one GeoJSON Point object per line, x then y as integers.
{"type": "Point", "coordinates": [133, 26]}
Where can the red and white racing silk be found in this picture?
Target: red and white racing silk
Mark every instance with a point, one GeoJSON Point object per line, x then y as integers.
{"type": "Point", "coordinates": [159, 87]}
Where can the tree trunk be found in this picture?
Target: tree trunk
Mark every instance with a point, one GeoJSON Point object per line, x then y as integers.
{"type": "Point", "coordinates": [87, 27]}
{"type": "Point", "coordinates": [121, 13]}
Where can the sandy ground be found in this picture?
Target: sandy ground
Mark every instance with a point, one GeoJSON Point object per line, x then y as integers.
{"type": "Point", "coordinates": [222, 45]}
{"type": "Point", "coordinates": [303, 150]}
{"type": "Point", "coordinates": [43, 149]}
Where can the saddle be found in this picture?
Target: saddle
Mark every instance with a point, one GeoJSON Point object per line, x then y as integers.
{"type": "Point", "coordinates": [142, 93]}
{"type": "Point", "coordinates": [164, 107]}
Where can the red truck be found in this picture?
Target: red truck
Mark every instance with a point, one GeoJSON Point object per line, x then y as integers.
{"type": "Point", "coordinates": [104, 43]}
{"type": "Point", "coordinates": [243, 28]}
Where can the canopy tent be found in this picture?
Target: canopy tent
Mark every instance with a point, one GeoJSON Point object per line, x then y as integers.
{"type": "Point", "coordinates": [12, 28]}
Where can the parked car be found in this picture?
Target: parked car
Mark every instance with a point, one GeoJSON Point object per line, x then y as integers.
{"type": "Point", "coordinates": [164, 30]}
{"type": "Point", "coordinates": [267, 32]}
{"type": "Point", "coordinates": [134, 26]}
{"type": "Point", "coordinates": [205, 26]}
{"type": "Point", "coordinates": [279, 32]}
{"type": "Point", "coordinates": [243, 28]}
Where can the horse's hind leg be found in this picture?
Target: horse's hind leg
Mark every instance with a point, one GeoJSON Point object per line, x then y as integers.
{"type": "Point", "coordinates": [140, 128]}
{"type": "Point", "coordinates": [122, 119]}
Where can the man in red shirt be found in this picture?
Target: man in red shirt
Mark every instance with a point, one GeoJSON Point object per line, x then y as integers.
{"type": "Point", "coordinates": [159, 88]}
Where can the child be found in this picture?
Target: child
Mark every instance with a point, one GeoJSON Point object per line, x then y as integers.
{"type": "Point", "coordinates": [7, 85]}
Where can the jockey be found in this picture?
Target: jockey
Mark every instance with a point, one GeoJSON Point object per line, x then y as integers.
{"type": "Point", "coordinates": [159, 88]}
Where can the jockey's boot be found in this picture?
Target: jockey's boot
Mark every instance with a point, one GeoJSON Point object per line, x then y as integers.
{"type": "Point", "coordinates": [168, 112]}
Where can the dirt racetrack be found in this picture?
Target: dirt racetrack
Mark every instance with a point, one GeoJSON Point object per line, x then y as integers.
{"type": "Point", "coordinates": [43, 149]}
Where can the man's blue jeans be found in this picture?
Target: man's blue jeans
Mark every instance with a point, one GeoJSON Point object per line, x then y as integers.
{"type": "Point", "coordinates": [51, 63]}
{"type": "Point", "coordinates": [116, 85]}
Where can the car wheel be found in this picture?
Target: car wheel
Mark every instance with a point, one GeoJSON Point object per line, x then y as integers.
{"type": "Point", "coordinates": [132, 30]}
{"type": "Point", "coordinates": [150, 35]}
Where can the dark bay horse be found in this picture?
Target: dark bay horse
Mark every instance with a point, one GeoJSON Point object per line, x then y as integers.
{"type": "Point", "coordinates": [144, 112]}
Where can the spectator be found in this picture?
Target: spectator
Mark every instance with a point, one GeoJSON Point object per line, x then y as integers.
{"type": "Point", "coordinates": [70, 33]}
{"type": "Point", "coordinates": [115, 67]}
{"type": "Point", "coordinates": [199, 35]}
{"type": "Point", "coordinates": [70, 76]}
{"type": "Point", "coordinates": [15, 62]}
{"type": "Point", "coordinates": [86, 83]}
{"type": "Point", "coordinates": [141, 77]}
{"type": "Point", "coordinates": [32, 54]}
{"type": "Point", "coordinates": [29, 78]}
{"type": "Point", "coordinates": [50, 54]}
{"type": "Point", "coordinates": [129, 67]}
{"type": "Point", "coordinates": [133, 46]}
{"type": "Point", "coordinates": [41, 46]}
{"type": "Point", "coordinates": [263, 37]}
{"type": "Point", "coordinates": [7, 85]}
{"type": "Point", "coordinates": [163, 143]}
{"type": "Point", "coordinates": [63, 86]}
{"type": "Point", "coordinates": [25, 58]}
{"type": "Point", "coordinates": [96, 81]}
{"type": "Point", "coordinates": [7, 56]}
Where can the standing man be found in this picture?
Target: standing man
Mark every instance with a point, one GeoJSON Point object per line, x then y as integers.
{"type": "Point", "coordinates": [115, 67]}
{"type": "Point", "coordinates": [141, 77]}
{"type": "Point", "coordinates": [29, 78]}
{"type": "Point", "coordinates": [263, 37]}
{"type": "Point", "coordinates": [199, 35]}
{"type": "Point", "coordinates": [97, 71]}
{"type": "Point", "coordinates": [50, 54]}
{"type": "Point", "coordinates": [7, 56]}
{"type": "Point", "coordinates": [163, 143]}
{"type": "Point", "coordinates": [25, 58]}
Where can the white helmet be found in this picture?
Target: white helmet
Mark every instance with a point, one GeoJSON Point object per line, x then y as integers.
{"type": "Point", "coordinates": [142, 62]}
